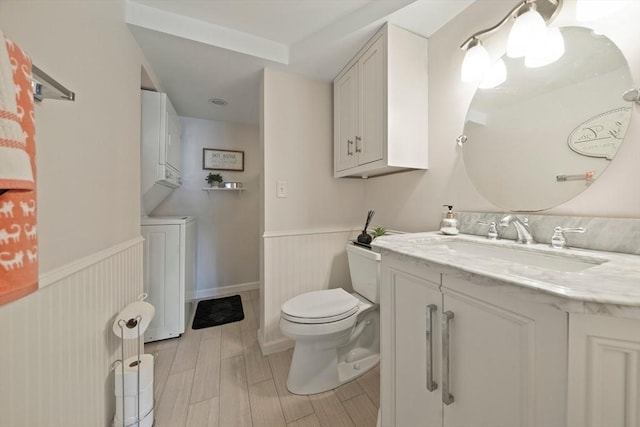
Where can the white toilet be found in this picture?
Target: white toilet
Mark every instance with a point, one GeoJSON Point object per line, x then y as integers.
{"type": "Point", "coordinates": [337, 334]}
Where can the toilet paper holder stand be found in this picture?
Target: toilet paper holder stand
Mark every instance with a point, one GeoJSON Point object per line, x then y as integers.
{"type": "Point", "coordinates": [130, 324]}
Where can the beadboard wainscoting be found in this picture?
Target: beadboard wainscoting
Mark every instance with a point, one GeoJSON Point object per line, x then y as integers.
{"type": "Point", "coordinates": [296, 262]}
{"type": "Point", "coordinates": [58, 344]}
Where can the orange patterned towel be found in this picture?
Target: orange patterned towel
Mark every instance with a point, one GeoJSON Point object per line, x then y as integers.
{"type": "Point", "coordinates": [18, 236]}
{"type": "Point", "coordinates": [15, 165]}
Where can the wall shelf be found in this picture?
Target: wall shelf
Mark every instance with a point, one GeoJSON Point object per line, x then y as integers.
{"type": "Point", "coordinates": [221, 189]}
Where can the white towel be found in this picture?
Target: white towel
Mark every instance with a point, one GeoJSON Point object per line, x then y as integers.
{"type": "Point", "coordinates": [15, 164]}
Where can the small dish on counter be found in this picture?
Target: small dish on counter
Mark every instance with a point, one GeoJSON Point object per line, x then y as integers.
{"type": "Point", "coordinates": [232, 184]}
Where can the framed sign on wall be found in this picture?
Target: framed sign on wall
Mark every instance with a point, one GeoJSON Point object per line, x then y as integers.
{"type": "Point", "coordinates": [224, 160]}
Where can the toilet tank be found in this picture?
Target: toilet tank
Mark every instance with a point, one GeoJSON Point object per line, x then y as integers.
{"type": "Point", "coordinates": [364, 266]}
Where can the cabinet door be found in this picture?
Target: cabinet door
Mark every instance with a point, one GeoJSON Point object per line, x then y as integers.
{"type": "Point", "coordinates": [190, 261]}
{"type": "Point", "coordinates": [173, 142]}
{"type": "Point", "coordinates": [161, 279]}
{"type": "Point", "coordinates": [370, 143]}
{"type": "Point", "coordinates": [346, 119]}
{"type": "Point", "coordinates": [415, 405]}
{"type": "Point", "coordinates": [486, 370]}
{"type": "Point", "coordinates": [507, 360]}
{"type": "Point", "coordinates": [604, 371]}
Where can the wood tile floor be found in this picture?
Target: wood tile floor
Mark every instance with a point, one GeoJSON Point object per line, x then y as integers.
{"type": "Point", "coordinates": [217, 377]}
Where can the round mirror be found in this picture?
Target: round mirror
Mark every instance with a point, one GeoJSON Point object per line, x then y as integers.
{"type": "Point", "coordinates": [543, 135]}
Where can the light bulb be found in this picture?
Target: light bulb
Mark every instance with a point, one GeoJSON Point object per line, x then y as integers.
{"type": "Point", "coordinates": [527, 29]}
{"type": "Point", "coordinates": [496, 75]}
{"type": "Point", "coordinates": [547, 50]}
{"type": "Point", "coordinates": [589, 10]}
{"type": "Point", "coordinates": [475, 63]}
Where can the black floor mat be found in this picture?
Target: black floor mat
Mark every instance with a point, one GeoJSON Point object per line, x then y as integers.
{"type": "Point", "coordinates": [218, 311]}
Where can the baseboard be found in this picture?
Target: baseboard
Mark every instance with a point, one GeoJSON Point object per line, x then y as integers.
{"type": "Point", "coordinates": [274, 346]}
{"type": "Point", "coordinates": [224, 290]}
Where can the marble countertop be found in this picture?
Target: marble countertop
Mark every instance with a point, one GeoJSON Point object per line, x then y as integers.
{"type": "Point", "coordinates": [615, 281]}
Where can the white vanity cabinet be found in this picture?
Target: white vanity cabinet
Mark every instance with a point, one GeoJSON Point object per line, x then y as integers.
{"type": "Point", "coordinates": [456, 353]}
{"type": "Point", "coordinates": [380, 107]}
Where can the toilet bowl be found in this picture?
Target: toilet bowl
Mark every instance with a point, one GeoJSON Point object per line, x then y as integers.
{"type": "Point", "coordinates": [336, 333]}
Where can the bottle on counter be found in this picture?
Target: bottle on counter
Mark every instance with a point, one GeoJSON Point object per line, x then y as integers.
{"type": "Point", "coordinates": [449, 223]}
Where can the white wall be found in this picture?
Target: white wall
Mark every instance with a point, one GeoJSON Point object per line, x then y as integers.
{"type": "Point", "coordinates": [227, 221]}
{"type": "Point", "coordinates": [298, 148]}
{"type": "Point", "coordinates": [88, 151]}
{"type": "Point", "coordinates": [412, 201]}
{"type": "Point", "coordinates": [88, 204]}
{"type": "Point", "coordinates": [310, 226]}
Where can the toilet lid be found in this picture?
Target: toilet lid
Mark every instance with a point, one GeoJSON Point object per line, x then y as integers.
{"type": "Point", "coordinates": [320, 306]}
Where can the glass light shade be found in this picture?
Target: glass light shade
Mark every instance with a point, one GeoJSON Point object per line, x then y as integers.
{"type": "Point", "coordinates": [547, 50]}
{"type": "Point", "coordinates": [495, 76]}
{"type": "Point", "coordinates": [527, 28]}
{"type": "Point", "coordinates": [589, 10]}
{"type": "Point", "coordinates": [475, 64]}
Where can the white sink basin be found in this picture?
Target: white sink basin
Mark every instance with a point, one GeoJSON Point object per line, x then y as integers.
{"type": "Point", "coordinates": [526, 256]}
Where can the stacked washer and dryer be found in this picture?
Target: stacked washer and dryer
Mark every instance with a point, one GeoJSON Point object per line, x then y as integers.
{"type": "Point", "coordinates": [169, 273]}
{"type": "Point", "coordinates": [170, 241]}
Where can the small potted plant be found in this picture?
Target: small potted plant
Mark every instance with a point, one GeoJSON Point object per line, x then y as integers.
{"type": "Point", "coordinates": [214, 179]}
{"type": "Point", "coordinates": [378, 231]}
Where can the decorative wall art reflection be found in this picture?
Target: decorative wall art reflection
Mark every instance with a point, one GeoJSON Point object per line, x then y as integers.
{"type": "Point", "coordinates": [601, 136]}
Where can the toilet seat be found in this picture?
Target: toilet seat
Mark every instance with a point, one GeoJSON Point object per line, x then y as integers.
{"type": "Point", "coordinates": [325, 306]}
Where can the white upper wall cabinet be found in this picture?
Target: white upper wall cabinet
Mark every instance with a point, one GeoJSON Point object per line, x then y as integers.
{"type": "Point", "coordinates": [161, 141]}
{"type": "Point", "coordinates": [380, 107]}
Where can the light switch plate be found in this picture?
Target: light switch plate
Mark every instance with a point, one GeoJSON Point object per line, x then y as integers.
{"type": "Point", "coordinates": [282, 190]}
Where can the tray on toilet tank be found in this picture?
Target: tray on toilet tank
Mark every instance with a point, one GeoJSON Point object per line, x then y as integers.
{"type": "Point", "coordinates": [364, 245]}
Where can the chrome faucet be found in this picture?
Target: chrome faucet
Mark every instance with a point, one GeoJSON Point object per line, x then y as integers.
{"type": "Point", "coordinates": [521, 226]}
{"type": "Point", "coordinates": [558, 240]}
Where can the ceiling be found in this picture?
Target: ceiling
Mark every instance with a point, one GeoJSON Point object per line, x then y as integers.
{"type": "Point", "coordinates": [217, 48]}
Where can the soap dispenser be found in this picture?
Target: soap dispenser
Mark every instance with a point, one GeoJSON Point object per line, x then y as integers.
{"type": "Point", "coordinates": [449, 223]}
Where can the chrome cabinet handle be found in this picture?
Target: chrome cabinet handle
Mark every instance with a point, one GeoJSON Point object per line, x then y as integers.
{"type": "Point", "coordinates": [358, 150]}
{"type": "Point", "coordinates": [447, 398]}
{"type": "Point", "coordinates": [431, 385]}
{"type": "Point", "coordinates": [349, 144]}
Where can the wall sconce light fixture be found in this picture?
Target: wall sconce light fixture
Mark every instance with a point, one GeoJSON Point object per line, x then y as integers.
{"type": "Point", "coordinates": [529, 37]}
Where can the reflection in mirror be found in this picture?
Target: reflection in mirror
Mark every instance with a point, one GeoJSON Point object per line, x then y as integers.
{"type": "Point", "coordinates": [541, 137]}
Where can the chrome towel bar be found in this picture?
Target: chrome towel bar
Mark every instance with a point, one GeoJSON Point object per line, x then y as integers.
{"type": "Point", "coordinates": [46, 87]}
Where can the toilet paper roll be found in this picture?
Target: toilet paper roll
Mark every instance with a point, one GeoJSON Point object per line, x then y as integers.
{"type": "Point", "coordinates": [130, 330]}
{"type": "Point", "coordinates": [131, 408]}
{"type": "Point", "coordinates": [145, 422]}
{"type": "Point", "coordinates": [130, 375]}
